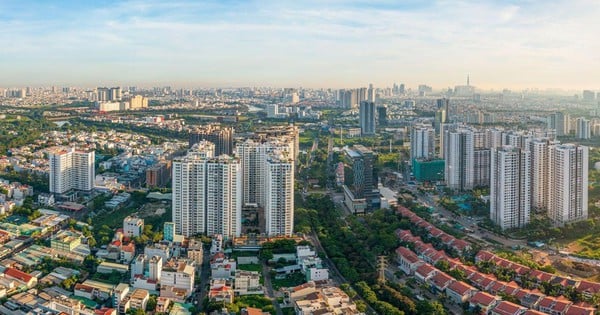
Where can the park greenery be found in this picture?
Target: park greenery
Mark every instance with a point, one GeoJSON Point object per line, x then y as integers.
{"type": "Point", "coordinates": [19, 132]}
{"type": "Point", "coordinates": [353, 243]}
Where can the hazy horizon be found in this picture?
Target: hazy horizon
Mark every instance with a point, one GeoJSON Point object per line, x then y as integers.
{"type": "Point", "coordinates": [515, 45]}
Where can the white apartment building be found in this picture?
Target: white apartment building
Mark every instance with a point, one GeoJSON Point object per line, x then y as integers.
{"type": "Point", "coordinates": [583, 130]}
{"type": "Point", "coordinates": [133, 226]}
{"type": "Point", "coordinates": [179, 274]}
{"type": "Point", "coordinates": [71, 169]}
{"type": "Point", "coordinates": [539, 173]}
{"type": "Point", "coordinates": [253, 156]}
{"type": "Point", "coordinates": [223, 196]}
{"type": "Point", "coordinates": [567, 183]}
{"type": "Point", "coordinates": [279, 186]}
{"type": "Point", "coordinates": [459, 158]}
{"type": "Point", "coordinates": [510, 193]}
{"type": "Point", "coordinates": [207, 196]}
{"type": "Point", "coordinates": [422, 142]}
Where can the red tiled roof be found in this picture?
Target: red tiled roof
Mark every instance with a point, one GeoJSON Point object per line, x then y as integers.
{"type": "Point", "coordinates": [546, 302]}
{"type": "Point", "coordinates": [425, 269]}
{"type": "Point", "coordinates": [587, 286]}
{"type": "Point", "coordinates": [460, 244]}
{"type": "Point", "coordinates": [460, 287]}
{"type": "Point", "coordinates": [507, 308]}
{"type": "Point", "coordinates": [441, 279]}
{"type": "Point", "coordinates": [84, 288]}
{"type": "Point", "coordinates": [483, 298]}
{"type": "Point", "coordinates": [104, 311]}
{"type": "Point", "coordinates": [580, 310]}
{"type": "Point", "coordinates": [446, 239]}
{"type": "Point", "coordinates": [561, 305]}
{"type": "Point", "coordinates": [435, 232]}
{"type": "Point", "coordinates": [484, 255]}
{"type": "Point", "coordinates": [18, 274]}
{"type": "Point", "coordinates": [253, 311]}
{"type": "Point", "coordinates": [407, 254]}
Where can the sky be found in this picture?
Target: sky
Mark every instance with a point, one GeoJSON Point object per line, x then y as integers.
{"type": "Point", "coordinates": [315, 43]}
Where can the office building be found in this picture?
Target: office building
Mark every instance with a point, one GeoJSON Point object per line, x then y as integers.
{"type": "Point", "coordinates": [279, 194]}
{"type": "Point", "coordinates": [367, 118]}
{"type": "Point", "coordinates": [510, 194]}
{"type": "Point", "coordinates": [443, 104]}
{"type": "Point", "coordinates": [364, 181]}
{"type": "Point", "coordinates": [459, 158]}
{"type": "Point", "coordinates": [567, 183]}
{"type": "Point", "coordinates": [583, 129]}
{"type": "Point", "coordinates": [221, 136]}
{"type": "Point", "coordinates": [71, 169]}
{"type": "Point", "coordinates": [382, 115]}
{"type": "Point", "coordinates": [206, 193]}
{"type": "Point", "coordinates": [439, 119]}
{"type": "Point", "coordinates": [422, 142]}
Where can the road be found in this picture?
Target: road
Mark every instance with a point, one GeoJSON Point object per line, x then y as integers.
{"type": "Point", "coordinates": [269, 288]}
{"type": "Point", "coordinates": [199, 295]}
{"type": "Point", "coordinates": [429, 201]}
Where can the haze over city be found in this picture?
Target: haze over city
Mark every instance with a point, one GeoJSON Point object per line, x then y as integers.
{"type": "Point", "coordinates": [501, 44]}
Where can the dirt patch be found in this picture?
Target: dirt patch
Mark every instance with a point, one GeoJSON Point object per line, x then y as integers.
{"type": "Point", "coordinates": [153, 209]}
{"type": "Point", "coordinates": [579, 269]}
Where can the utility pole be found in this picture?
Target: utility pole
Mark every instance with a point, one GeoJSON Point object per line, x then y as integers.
{"type": "Point", "coordinates": [381, 264]}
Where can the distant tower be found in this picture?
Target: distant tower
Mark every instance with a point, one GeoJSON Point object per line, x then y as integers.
{"type": "Point", "coordinates": [367, 118]}
{"type": "Point", "coordinates": [468, 80]}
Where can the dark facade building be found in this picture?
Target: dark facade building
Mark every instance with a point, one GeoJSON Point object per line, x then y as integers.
{"type": "Point", "coordinates": [222, 137]}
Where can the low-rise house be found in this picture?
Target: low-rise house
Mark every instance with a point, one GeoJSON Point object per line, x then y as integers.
{"type": "Point", "coordinates": [424, 272]}
{"type": "Point", "coordinates": [222, 294]}
{"type": "Point", "coordinates": [507, 308]}
{"type": "Point", "coordinates": [20, 276]}
{"type": "Point", "coordinates": [483, 301]}
{"type": "Point", "coordinates": [162, 304]}
{"type": "Point", "coordinates": [439, 282]}
{"type": "Point", "coordinates": [459, 292]}
{"type": "Point", "coordinates": [588, 289]}
{"type": "Point", "coordinates": [580, 310]}
{"type": "Point", "coordinates": [407, 260]}
{"type": "Point", "coordinates": [247, 282]}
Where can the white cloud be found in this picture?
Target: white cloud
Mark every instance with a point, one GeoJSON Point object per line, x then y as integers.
{"type": "Point", "coordinates": [533, 42]}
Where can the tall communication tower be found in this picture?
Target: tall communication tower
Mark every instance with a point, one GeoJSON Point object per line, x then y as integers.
{"type": "Point", "coordinates": [381, 264]}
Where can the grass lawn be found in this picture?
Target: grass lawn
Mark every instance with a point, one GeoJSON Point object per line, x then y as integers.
{"type": "Point", "coordinates": [292, 280]}
{"type": "Point", "coordinates": [250, 267]}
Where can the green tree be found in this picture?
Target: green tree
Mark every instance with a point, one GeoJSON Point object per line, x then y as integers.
{"type": "Point", "coordinates": [151, 305]}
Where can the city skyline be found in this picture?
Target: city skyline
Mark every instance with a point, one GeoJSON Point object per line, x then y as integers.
{"type": "Point", "coordinates": [309, 44]}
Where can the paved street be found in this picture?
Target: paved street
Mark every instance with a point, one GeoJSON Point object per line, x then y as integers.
{"type": "Point", "coordinates": [269, 288]}
{"type": "Point", "coordinates": [199, 295]}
